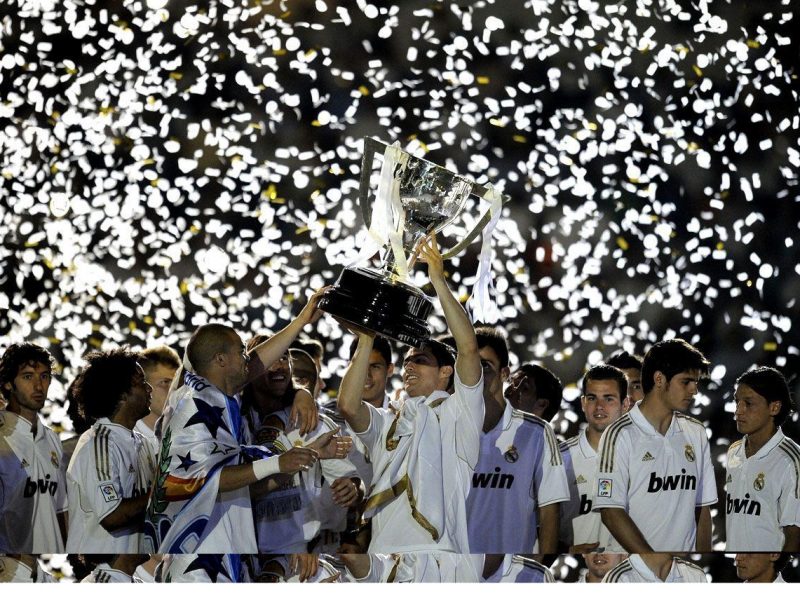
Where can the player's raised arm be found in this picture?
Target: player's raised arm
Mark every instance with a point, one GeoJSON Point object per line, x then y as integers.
{"type": "Point", "coordinates": [468, 362]}
{"type": "Point", "coordinates": [351, 390]}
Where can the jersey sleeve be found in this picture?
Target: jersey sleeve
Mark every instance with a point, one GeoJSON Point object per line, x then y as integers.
{"type": "Point", "coordinates": [707, 490]}
{"type": "Point", "coordinates": [613, 474]}
{"type": "Point", "coordinates": [789, 500]}
{"type": "Point", "coordinates": [373, 434]}
{"type": "Point", "coordinates": [551, 476]}
{"type": "Point", "coordinates": [469, 412]}
{"type": "Point", "coordinates": [571, 508]}
{"type": "Point", "coordinates": [99, 477]}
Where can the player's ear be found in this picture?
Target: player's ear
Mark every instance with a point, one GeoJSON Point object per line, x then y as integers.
{"type": "Point", "coordinates": [659, 379]}
{"type": "Point", "coordinates": [390, 370]}
{"type": "Point", "coordinates": [505, 372]}
{"type": "Point", "coordinates": [775, 407]}
{"type": "Point", "coordinates": [446, 372]}
{"type": "Point", "coordinates": [626, 403]}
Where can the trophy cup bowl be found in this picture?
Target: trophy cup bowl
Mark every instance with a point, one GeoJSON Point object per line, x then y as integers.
{"type": "Point", "coordinates": [426, 198]}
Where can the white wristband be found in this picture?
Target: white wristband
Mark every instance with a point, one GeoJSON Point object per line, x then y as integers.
{"type": "Point", "coordinates": [265, 467]}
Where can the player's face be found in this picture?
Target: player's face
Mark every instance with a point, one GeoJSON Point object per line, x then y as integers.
{"type": "Point", "coordinates": [756, 566]}
{"type": "Point", "coordinates": [139, 395]}
{"type": "Point", "coordinates": [237, 361]}
{"type": "Point", "coordinates": [635, 391]}
{"type": "Point", "coordinates": [681, 389]}
{"type": "Point", "coordinates": [421, 373]}
{"type": "Point", "coordinates": [493, 375]}
{"type": "Point", "coordinates": [377, 374]}
{"type": "Point", "coordinates": [160, 378]}
{"type": "Point", "coordinates": [278, 377]}
{"type": "Point", "coordinates": [29, 388]}
{"type": "Point", "coordinates": [601, 403]}
{"type": "Point", "coordinates": [521, 393]}
{"type": "Point", "coordinates": [753, 412]}
{"type": "Point", "coordinates": [599, 563]}
{"type": "Point", "coordinates": [304, 373]}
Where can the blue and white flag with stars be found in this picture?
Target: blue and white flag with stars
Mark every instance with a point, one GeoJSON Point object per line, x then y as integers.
{"type": "Point", "coordinates": [202, 432]}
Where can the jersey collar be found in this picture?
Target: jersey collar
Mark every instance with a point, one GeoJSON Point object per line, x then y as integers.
{"type": "Point", "coordinates": [642, 423]}
{"type": "Point", "coordinates": [766, 448]}
{"type": "Point", "coordinates": [585, 446]}
{"type": "Point", "coordinates": [641, 567]}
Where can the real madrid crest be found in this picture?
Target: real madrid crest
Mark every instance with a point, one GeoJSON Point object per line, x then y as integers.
{"type": "Point", "coordinates": [511, 455]}
{"type": "Point", "coordinates": [758, 484]}
{"type": "Point", "coordinates": [688, 451]}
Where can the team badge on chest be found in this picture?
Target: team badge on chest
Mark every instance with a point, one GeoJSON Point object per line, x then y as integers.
{"type": "Point", "coordinates": [511, 455]}
{"type": "Point", "coordinates": [758, 484]}
{"type": "Point", "coordinates": [688, 452]}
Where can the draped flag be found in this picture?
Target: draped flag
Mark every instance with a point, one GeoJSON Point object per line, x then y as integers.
{"type": "Point", "coordinates": [201, 434]}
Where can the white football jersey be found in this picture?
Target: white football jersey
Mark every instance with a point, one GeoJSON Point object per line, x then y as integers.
{"type": "Point", "coordinates": [634, 570]}
{"type": "Point", "coordinates": [149, 435]}
{"type": "Point", "coordinates": [459, 418]}
{"type": "Point", "coordinates": [32, 489]}
{"type": "Point", "coordinates": [646, 473]}
{"type": "Point", "coordinates": [579, 523]}
{"type": "Point", "coordinates": [103, 573]}
{"type": "Point", "coordinates": [762, 494]}
{"type": "Point", "coordinates": [288, 518]}
{"type": "Point", "coordinates": [110, 463]}
{"type": "Point", "coordinates": [520, 569]}
{"type": "Point", "coordinates": [519, 469]}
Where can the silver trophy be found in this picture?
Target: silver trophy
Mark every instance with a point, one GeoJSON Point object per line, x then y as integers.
{"type": "Point", "coordinates": [415, 198]}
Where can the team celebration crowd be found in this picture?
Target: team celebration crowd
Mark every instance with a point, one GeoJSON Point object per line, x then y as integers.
{"type": "Point", "coordinates": [230, 464]}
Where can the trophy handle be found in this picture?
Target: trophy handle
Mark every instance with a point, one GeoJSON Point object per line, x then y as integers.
{"type": "Point", "coordinates": [481, 191]}
{"type": "Point", "coordinates": [371, 146]}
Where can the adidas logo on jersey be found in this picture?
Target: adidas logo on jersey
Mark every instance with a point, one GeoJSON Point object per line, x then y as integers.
{"type": "Point", "coordinates": [671, 482]}
{"type": "Point", "coordinates": [25, 463]}
{"type": "Point", "coordinates": [580, 480]}
{"type": "Point", "coordinates": [647, 456]}
{"type": "Point", "coordinates": [493, 480]}
{"type": "Point", "coordinates": [745, 505]}
{"type": "Point", "coordinates": [42, 486]}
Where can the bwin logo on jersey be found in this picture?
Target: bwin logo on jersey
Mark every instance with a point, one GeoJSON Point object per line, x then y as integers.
{"type": "Point", "coordinates": [42, 486]}
{"type": "Point", "coordinates": [493, 480]}
{"type": "Point", "coordinates": [586, 505]}
{"type": "Point", "coordinates": [746, 506]}
{"type": "Point", "coordinates": [671, 482]}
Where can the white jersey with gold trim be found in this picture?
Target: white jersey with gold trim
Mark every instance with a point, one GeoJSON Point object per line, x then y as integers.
{"type": "Point", "coordinates": [634, 570]}
{"type": "Point", "coordinates": [519, 470]}
{"type": "Point", "coordinates": [456, 421]}
{"type": "Point", "coordinates": [32, 489]}
{"type": "Point", "coordinates": [111, 463]}
{"type": "Point", "coordinates": [762, 494]}
{"type": "Point", "coordinates": [579, 523]}
{"type": "Point", "coordinates": [646, 473]}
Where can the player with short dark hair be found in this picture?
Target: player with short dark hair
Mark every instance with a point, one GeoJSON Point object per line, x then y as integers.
{"type": "Point", "coordinates": [604, 399]}
{"type": "Point", "coordinates": [762, 505]}
{"type": "Point", "coordinates": [631, 365]}
{"type": "Point", "coordinates": [519, 481]}
{"type": "Point", "coordinates": [423, 457]}
{"type": "Point", "coordinates": [33, 492]}
{"type": "Point", "coordinates": [536, 390]}
{"type": "Point", "coordinates": [656, 460]}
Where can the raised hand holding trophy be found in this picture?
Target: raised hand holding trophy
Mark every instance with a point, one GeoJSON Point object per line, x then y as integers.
{"type": "Point", "coordinates": [415, 198]}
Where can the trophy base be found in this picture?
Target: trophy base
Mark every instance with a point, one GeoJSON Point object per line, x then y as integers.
{"type": "Point", "coordinates": [367, 301]}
